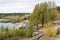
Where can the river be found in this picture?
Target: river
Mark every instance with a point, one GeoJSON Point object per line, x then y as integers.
{"type": "Point", "coordinates": [13, 25]}
{"type": "Point", "coordinates": [9, 25]}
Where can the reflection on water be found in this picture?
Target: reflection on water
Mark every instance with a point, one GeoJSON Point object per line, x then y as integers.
{"type": "Point", "coordinates": [9, 25]}
{"type": "Point", "coordinates": [23, 24]}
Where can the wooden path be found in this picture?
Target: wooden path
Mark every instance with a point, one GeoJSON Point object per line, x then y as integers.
{"type": "Point", "coordinates": [38, 36]}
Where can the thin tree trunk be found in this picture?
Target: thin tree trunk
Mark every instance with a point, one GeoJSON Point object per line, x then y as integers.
{"type": "Point", "coordinates": [43, 21]}
{"type": "Point", "coordinates": [37, 27]}
{"type": "Point", "coordinates": [42, 24]}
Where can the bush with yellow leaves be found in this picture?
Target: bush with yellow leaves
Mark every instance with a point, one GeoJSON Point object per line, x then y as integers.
{"type": "Point", "coordinates": [51, 30]}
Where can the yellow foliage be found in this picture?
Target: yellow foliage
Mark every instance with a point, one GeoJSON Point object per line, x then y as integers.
{"type": "Point", "coordinates": [50, 30]}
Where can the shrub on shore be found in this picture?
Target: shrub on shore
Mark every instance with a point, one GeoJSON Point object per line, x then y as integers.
{"type": "Point", "coordinates": [58, 31]}
{"type": "Point", "coordinates": [51, 30]}
{"type": "Point", "coordinates": [16, 32]}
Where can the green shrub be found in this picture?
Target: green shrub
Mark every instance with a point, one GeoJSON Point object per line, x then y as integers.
{"type": "Point", "coordinates": [58, 31]}
{"type": "Point", "coordinates": [11, 33]}
{"type": "Point", "coordinates": [16, 32]}
{"type": "Point", "coordinates": [21, 32]}
{"type": "Point", "coordinates": [51, 30]}
{"type": "Point", "coordinates": [3, 35]}
{"type": "Point", "coordinates": [29, 31]}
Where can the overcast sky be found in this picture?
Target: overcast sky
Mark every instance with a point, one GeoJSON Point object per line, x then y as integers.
{"type": "Point", "coordinates": [16, 6]}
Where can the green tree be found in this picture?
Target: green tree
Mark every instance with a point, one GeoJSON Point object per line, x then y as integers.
{"type": "Point", "coordinates": [58, 8]}
{"type": "Point", "coordinates": [53, 12]}
{"type": "Point", "coordinates": [42, 14]}
{"type": "Point", "coordinates": [34, 18]}
{"type": "Point", "coordinates": [16, 19]}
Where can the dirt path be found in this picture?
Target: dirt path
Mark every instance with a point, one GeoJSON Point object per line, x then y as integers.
{"type": "Point", "coordinates": [17, 38]}
{"type": "Point", "coordinates": [50, 38]}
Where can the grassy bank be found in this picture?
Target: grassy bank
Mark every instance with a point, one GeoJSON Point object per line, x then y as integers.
{"type": "Point", "coordinates": [14, 33]}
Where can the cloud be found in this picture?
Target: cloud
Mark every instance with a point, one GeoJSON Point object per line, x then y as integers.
{"type": "Point", "coordinates": [9, 6]}
{"type": "Point", "coordinates": [16, 6]}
